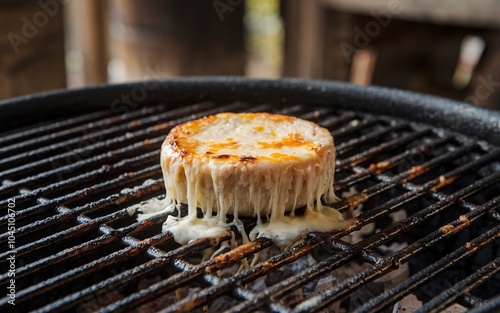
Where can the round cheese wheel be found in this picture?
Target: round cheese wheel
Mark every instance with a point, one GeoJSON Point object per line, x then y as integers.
{"type": "Point", "coordinates": [248, 164]}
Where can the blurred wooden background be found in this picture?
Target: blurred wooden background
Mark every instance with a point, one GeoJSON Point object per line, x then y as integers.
{"type": "Point", "coordinates": [415, 45]}
{"type": "Point", "coordinates": [31, 49]}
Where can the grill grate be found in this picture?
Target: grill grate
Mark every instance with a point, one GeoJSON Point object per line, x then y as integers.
{"type": "Point", "coordinates": [77, 246]}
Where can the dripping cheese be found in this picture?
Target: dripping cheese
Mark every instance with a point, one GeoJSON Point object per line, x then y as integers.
{"type": "Point", "coordinates": [250, 164]}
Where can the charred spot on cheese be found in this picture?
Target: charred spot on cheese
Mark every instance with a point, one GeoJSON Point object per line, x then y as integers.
{"type": "Point", "coordinates": [250, 164]}
{"type": "Point", "coordinates": [247, 159]}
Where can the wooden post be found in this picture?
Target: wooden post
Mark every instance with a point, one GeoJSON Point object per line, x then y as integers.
{"type": "Point", "coordinates": [304, 38]}
{"type": "Point", "coordinates": [31, 47]}
{"type": "Point", "coordinates": [174, 38]}
{"type": "Point", "coordinates": [87, 33]}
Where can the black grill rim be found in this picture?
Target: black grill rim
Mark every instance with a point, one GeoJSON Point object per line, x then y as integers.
{"type": "Point", "coordinates": [444, 113]}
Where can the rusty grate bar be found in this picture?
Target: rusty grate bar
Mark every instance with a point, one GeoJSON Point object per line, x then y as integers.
{"type": "Point", "coordinates": [87, 226]}
{"type": "Point", "coordinates": [471, 301]}
{"type": "Point", "coordinates": [366, 155]}
{"type": "Point", "coordinates": [447, 297]}
{"type": "Point", "coordinates": [394, 261]}
{"type": "Point", "coordinates": [390, 163]}
{"type": "Point", "coordinates": [489, 306]}
{"type": "Point", "coordinates": [36, 131]}
{"type": "Point", "coordinates": [336, 260]}
{"type": "Point", "coordinates": [298, 280]}
{"type": "Point", "coordinates": [414, 281]}
{"type": "Point", "coordinates": [86, 182]}
{"type": "Point", "coordinates": [61, 135]}
{"type": "Point", "coordinates": [94, 161]}
{"type": "Point", "coordinates": [188, 273]}
{"type": "Point", "coordinates": [375, 152]}
{"type": "Point", "coordinates": [63, 217]}
{"type": "Point", "coordinates": [115, 281]}
{"type": "Point", "coordinates": [450, 155]}
{"type": "Point", "coordinates": [357, 142]}
{"type": "Point", "coordinates": [89, 268]}
{"type": "Point", "coordinates": [100, 128]}
{"type": "Point", "coordinates": [105, 140]}
{"type": "Point", "coordinates": [79, 250]}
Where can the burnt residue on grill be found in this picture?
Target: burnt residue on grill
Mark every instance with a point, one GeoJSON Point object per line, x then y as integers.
{"type": "Point", "coordinates": [424, 203]}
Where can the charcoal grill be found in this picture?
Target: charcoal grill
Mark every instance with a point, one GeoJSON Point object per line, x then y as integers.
{"type": "Point", "coordinates": [421, 173]}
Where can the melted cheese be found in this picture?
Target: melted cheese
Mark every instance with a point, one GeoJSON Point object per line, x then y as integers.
{"type": "Point", "coordinates": [285, 231]}
{"type": "Point", "coordinates": [250, 164]}
{"type": "Point", "coordinates": [191, 228]}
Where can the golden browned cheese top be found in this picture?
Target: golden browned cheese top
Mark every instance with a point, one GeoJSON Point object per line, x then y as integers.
{"type": "Point", "coordinates": [247, 138]}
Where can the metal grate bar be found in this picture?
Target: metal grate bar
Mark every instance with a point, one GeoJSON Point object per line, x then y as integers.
{"type": "Point", "coordinates": [59, 218]}
{"type": "Point", "coordinates": [78, 180]}
{"type": "Point", "coordinates": [105, 143]}
{"type": "Point", "coordinates": [490, 306]}
{"type": "Point", "coordinates": [144, 121]}
{"type": "Point", "coordinates": [317, 114]}
{"type": "Point", "coordinates": [81, 229]}
{"type": "Point", "coordinates": [413, 282]}
{"type": "Point", "coordinates": [238, 292]}
{"type": "Point", "coordinates": [77, 251]}
{"type": "Point", "coordinates": [332, 122]}
{"type": "Point", "coordinates": [94, 161]}
{"type": "Point", "coordinates": [388, 164]}
{"type": "Point", "coordinates": [447, 297]}
{"type": "Point", "coordinates": [361, 221]}
{"type": "Point", "coordinates": [402, 256]}
{"type": "Point", "coordinates": [391, 181]}
{"type": "Point", "coordinates": [100, 147]}
{"type": "Point", "coordinates": [415, 171]}
{"type": "Point", "coordinates": [35, 131]}
{"type": "Point", "coordinates": [349, 129]}
{"type": "Point", "coordinates": [55, 238]}
{"type": "Point", "coordinates": [346, 163]}
{"type": "Point", "coordinates": [122, 279]}
{"type": "Point", "coordinates": [68, 133]}
{"type": "Point", "coordinates": [187, 274]}
{"type": "Point", "coordinates": [357, 142]}
{"type": "Point", "coordinates": [338, 259]}
{"type": "Point", "coordinates": [433, 185]}
{"type": "Point", "coordinates": [471, 301]}
{"type": "Point", "coordinates": [89, 268]}
{"type": "Point", "coordinates": [87, 226]}
{"type": "Point", "coordinates": [53, 197]}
